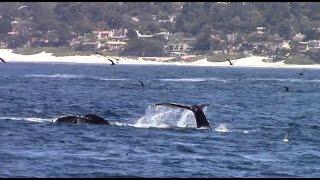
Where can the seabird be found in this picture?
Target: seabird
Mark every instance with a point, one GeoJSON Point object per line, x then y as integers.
{"type": "Point", "coordinates": [22, 7]}
{"type": "Point", "coordinates": [112, 63]}
{"type": "Point", "coordinates": [231, 63]}
{"type": "Point", "coordinates": [141, 82]}
{"type": "Point", "coordinates": [3, 60]}
{"type": "Point", "coordinates": [286, 138]}
{"type": "Point", "coordinates": [287, 89]}
{"type": "Point", "coordinates": [301, 73]}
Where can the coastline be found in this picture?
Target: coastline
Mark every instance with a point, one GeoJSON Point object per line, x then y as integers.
{"type": "Point", "coordinates": [43, 57]}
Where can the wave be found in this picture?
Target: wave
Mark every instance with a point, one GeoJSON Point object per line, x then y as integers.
{"type": "Point", "coordinates": [64, 76]}
{"type": "Point", "coordinates": [73, 76]}
{"type": "Point", "coordinates": [285, 79]}
{"type": "Point", "coordinates": [165, 117]}
{"type": "Point", "coordinates": [194, 79]}
{"type": "Point", "coordinates": [33, 119]}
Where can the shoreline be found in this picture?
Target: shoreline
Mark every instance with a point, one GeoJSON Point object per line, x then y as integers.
{"type": "Point", "coordinates": [43, 57]}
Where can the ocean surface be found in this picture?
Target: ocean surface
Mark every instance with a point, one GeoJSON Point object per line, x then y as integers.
{"type": "Point", "coordinates": [250, 113]}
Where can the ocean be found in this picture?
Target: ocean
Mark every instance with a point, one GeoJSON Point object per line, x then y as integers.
{"type": "Point", "coordinates": [250, 113]}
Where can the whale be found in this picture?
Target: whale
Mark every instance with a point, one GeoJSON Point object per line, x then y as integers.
{"type": "Point", "coordinates": [86, 119]}
{"type": "Point", "coordinates": [201, 118]}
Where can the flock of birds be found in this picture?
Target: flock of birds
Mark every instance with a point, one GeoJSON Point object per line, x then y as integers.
{"type": "Point", "coordinates": [231, 63]}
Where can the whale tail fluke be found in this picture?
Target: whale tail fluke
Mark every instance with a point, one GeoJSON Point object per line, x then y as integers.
{"type": "Point", "coordinates": [201, 106]}
{"type": "Point", "coordinates": [196, 109]}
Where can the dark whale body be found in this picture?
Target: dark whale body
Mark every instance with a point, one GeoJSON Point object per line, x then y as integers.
{"type": "Point", "coordinates": [197, 111]}
{"type": "Point", "coordinates": [87, 119]}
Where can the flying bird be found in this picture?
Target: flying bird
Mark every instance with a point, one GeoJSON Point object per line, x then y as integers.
{"type": "Point", "coordinates": [287, 89]}
{"type": "Point", "coordinates": [112, 63]}
{"type": "Point", "coordinates": [22, 7]}
{"type": "Point", "coordinates": [286, 138]}
{"type": "Point", "coordinates": [141, 83]}
{"type": "Point", "coordinates": [302, 73]}
{"type": "Point", "coordinates": [3, 60]}
{"type": "Point", "coordinates": [231, 63]}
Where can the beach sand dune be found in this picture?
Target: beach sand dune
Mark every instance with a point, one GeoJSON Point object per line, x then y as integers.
{"type": "Point", "coordinates": [43, 57]}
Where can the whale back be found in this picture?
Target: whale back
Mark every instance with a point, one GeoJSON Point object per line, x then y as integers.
{"type": "Point", "coordinates": [95, 119]}
{"type": "Point", "coordinates": [67, 119]}
{"type": "Point", "coordinates": [87, 119]}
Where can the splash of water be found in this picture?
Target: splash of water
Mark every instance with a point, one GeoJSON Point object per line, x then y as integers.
{"type": "Point", "coordinates": [164, 117]}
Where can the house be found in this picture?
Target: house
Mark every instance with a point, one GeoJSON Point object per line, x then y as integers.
{"type": "Point", "coordinates": [13, 32]}
{"type": "Point", "coordinates": [74, 42]}
{"type": "Point", "coordinates": [285, 45]}
{"type": "Point", "coordinates": [298, 37]}
{"type": "Point", "coordinates": [115, 45]}
{"type": "Point", "coordinates": [143, 35]}
{"type": "Point", "coordinates": [260, 30]}
{"type": "Point", "coordinates": [3, 45]}
{"type": "Point", "coordinates": [314, 44]}
{"type": "Point", "coordinates": [180, 47]}
{"type": "Point", "coordinates": [119, 33]}
{"type": "Point", "coordinates": [302, 47]}
{"type": "Point", "coordinates": [164, 34]}
{"type": "Point", "coordinates": [91, 45]}
{"type": "Point", "coordinates": [103, 34]}
{"type": "Point", "coordinates": [231, 37]}
{"type": "Point", "coordinates": [135, 19]}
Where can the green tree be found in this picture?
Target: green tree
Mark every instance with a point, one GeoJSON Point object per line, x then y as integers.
{"type": "Point", "coordinates": [132, 34]}
{"type": "Point", "coordinates": [144, 47]}
{"type": "Point", "coordinates": [203, 41]}
{"type": "Point", "coordinates": [5, 26]}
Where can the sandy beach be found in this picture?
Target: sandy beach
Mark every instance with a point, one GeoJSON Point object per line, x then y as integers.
{"type": "Point", "coordinates": [43, 57]}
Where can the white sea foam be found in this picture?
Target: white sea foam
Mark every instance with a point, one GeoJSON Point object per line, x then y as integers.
{"type": "Point", "coordinates": [74, 76]}
{"type": "Point", "coordinates": [164, 117]}
{"type": "Point", "coordinates": [282, 80]}
{"type": "Point", "coordinates": [64, 76]}
{"type": "Point", "coordinates": [222, 128]}
{"type": "Point", "coordinates": [193, 79]}
{"type": "Point", "coordinates": [33, 119]}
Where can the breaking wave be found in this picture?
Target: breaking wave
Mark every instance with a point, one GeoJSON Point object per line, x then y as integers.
{"type": "Point", "coordinates": [165, 117]}
{"type": "Point", "coordinates": [194, 79]}
{"type": "Point", "coordinates": [73, 76]}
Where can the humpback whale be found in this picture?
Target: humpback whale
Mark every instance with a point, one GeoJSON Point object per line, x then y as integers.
{"type": "Point", "coordinates": [87, 119]}
{"type": "Point", "coordinates": [197, 111]}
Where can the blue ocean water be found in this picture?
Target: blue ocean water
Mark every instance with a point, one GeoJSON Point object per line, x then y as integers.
{"type": "Point", "coordinates": [250, 113]}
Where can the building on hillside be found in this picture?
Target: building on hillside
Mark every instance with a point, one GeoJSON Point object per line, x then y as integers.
{"type": "Point", "coordinates": [302, 47]}
{"type": "Point", "coordinates": [114, 45]}
{"type": "Point", "coordinates": [143, 35]}
{"type": "Point", "coordinates": [179, 47]}
{"type": "Point", "coordinates": [298, 37]}
{"type": "Point", "coordinates": [91, 45]}
{"type": "Point", "coordinates": [3, 45]}
{"type": "Point", "coordinates": [260, 30]}
{"type": "Point", "coordinates": [119, 33]}
{"type": "Point", "coordinates": [103, 34]}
